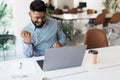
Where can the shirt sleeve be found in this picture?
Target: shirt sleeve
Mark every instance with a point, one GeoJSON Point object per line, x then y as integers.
{"type": "Point", "coordinates": [61, 36]}
{"type": "Point", "coordinates": [28, 50]}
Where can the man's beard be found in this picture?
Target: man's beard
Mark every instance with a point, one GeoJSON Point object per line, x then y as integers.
{"type": "Point", "coordinates": [39, 26]}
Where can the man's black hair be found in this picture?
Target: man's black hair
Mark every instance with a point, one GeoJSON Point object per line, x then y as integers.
{"type": "Point", "coordinates": [38, 5]}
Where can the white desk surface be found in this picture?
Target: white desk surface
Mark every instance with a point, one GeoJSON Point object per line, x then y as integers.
{"type": "Point", "coordinates": [77, 16]}
{"type": "Point", "coordinates": [107, 68]}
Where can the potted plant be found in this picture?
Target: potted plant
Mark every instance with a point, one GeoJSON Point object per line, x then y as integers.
{"type": "Point", "coordinates": [107, 4]}
{"type": "Point", "coordinates": [111, 5]}
{"type": "Point", "coordinates": [5, 18]}
{"type": "Point", "coordinates": [115, 5]}
{"type": "Point", "coordinates": [67, 29]}
{"type": "Point", "coordinates": [5, 23]}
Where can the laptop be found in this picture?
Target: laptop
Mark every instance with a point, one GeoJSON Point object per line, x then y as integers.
{"type": "Point", "coordinates": [63, 57]}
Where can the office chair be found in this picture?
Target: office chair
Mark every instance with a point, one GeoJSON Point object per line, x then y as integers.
{"type": "Point", "coordinates": [65, 7]}
{"type": "Point", "coordinates": [58, 11]}
{"type": "Point", "coordinates": [95, 38]}
{"type": "Point", "coordinates": [90, 11]}
{"type": "Point", "coordinates": [114, 25]}
{"type": "Point", "coordinates": [105, 11]}
{"type": "Point", "coordinates": [99, 20]}
{"type": "Point", "coordinates": [72, 11]}
{"type": "Point", "coordinates": [46, 78]}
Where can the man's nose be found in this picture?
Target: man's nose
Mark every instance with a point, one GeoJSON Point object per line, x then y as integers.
{"type": "Point", "coordinates": [40, 20]}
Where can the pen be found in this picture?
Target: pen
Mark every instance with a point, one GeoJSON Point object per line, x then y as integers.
{"type": "Point", "coordinates": [20, 67]}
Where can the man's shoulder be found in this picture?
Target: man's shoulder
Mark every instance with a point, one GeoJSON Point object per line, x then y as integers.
{"type": "Point", "coordinates": [28, 26]}
{"type": "Point", "coordinates": [52, 20]}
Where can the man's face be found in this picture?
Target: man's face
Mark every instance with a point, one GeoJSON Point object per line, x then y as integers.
{"type": "Point", "coordinates": [38, 18]}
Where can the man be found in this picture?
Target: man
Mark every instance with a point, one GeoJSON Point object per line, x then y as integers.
{"type": "Point", "coordinates": [41, 33]}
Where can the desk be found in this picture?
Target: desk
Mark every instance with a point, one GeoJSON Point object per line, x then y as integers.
{"type": "Point", "coordinates": [77, 16]}
{"type": "Point", "coordinates": [105, 74]}
{"type": "Point", "coordinates": [107, 68]}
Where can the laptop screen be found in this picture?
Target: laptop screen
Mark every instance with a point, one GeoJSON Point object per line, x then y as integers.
{"type": "Point", "coordinates": [63, 57]}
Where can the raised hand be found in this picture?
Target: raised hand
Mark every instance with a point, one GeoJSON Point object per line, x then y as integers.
{"type": "Point", "coordinates": [26, 36]}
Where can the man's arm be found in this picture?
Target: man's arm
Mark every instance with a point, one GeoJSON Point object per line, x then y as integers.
{"type": "Point", "coordinates": [27, 46]}
{"type": "Point", "coordinates": [28, 50]}
{"type": "Point", "coordinates": [61, 36]}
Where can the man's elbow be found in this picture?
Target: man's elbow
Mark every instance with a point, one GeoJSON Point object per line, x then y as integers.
{"type": "Point", "coordinates": [28, 55]}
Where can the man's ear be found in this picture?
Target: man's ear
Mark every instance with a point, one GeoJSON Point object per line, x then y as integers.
{"type": "Point", "coordinates": [29, 13]}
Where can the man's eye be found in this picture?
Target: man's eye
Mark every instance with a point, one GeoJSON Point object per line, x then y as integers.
{"type": "Point", "coordinates": [43, 17]}
{"type": "Point", "coordinates": [40, 17]}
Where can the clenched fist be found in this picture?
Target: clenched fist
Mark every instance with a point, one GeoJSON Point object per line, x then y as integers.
{"type": "Point", "coordinates": [26, 36]}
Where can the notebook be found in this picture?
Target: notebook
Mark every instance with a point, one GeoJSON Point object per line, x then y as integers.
{"type": "Point", "coordinates": [63, 57]}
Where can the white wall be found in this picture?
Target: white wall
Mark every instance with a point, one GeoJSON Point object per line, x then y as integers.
{"type": "Point", "coordinates": [61, 3]}
{"type": "Point", "coordinates": [93, 4]}
{"type": "Point", "coordinates": [21, 18]}
{"type": "Point", "coordinates": [76, 3]}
